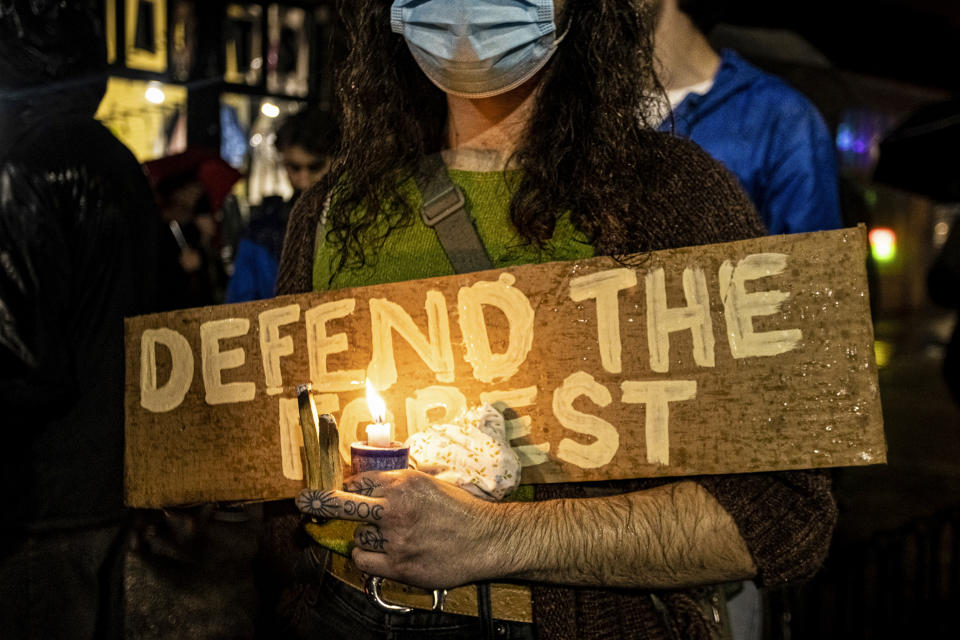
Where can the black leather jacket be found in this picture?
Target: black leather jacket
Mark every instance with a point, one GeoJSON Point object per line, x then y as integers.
{"type": "Point", "coordinates": [78, 233]}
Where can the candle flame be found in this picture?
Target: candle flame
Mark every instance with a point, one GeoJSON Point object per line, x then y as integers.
{"type": "Point", "coordinates": [378, 409]}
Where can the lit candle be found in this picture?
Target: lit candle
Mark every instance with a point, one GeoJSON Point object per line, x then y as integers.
{"type": "Point", "coordinates": [378, 452]}
{"type": "Point", "coordinates": [378, 434]}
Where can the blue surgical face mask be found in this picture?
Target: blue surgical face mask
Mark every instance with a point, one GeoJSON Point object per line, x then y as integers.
{"type": "Point", "coordinates": [477, 48]}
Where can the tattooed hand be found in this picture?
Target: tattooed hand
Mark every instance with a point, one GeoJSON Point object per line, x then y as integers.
{"type": "Point", "coordinates": [336, 504]}
{"type": "Point", "coordinates": [422, 531]}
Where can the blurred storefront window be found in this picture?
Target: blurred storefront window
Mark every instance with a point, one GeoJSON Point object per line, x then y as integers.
{"type": "Point", "coordinates": [139, 113]}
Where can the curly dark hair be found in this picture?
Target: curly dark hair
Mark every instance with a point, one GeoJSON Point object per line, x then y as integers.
{"type": "Point", "coordinates": [583, 151]}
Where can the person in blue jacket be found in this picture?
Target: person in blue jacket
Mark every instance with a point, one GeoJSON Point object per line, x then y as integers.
{"type": "Point", "coordinates": [306, 142]}
{"type": "Point", "coordinates": [767, 133]}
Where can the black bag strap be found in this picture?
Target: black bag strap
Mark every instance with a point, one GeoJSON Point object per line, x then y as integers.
{"type": "Point", "coordinates": [444, 210]}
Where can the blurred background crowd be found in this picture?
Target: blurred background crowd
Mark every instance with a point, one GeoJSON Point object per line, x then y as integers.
{"type": "Point", "coordinates": [830, 113]}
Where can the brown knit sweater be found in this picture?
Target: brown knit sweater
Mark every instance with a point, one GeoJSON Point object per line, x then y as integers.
{"type": "Point", "coordinates": [786, 519]}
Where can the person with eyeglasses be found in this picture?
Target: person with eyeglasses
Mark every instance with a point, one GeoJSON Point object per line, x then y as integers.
{"type": "Point", "coordinates": [306, 142]}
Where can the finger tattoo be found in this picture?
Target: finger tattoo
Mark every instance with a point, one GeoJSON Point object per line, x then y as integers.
{"type": "Point", "coordinates": [364, 487]}
{"type": "Point", "coordinates": [322, 504]}
{"type": "Point", "coordinates": [362, 510]}
{"type": "Point", "coordinates": [371, 539]}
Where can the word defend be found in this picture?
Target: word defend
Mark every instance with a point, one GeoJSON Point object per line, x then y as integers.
{"type": "Point", "coordinates": [739, 357]}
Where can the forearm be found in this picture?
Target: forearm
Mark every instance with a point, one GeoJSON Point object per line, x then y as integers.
{"type": "Point", "coordinates": [672, 536]}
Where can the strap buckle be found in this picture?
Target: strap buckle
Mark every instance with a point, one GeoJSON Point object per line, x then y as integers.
{"type": "Point", "coordinates": [441, 206]}
{"type": "Point", "coordinates": [371, 587]}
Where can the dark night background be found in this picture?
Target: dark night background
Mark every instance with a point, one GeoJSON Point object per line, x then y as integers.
{"type": "Point", "coordinates": [869, 65]}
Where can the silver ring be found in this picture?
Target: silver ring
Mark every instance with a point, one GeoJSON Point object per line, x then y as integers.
{"type": "Point", "coordinates": [371, 587]}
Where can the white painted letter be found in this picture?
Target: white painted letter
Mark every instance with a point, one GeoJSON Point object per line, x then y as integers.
{"type": "Point", "coordinates": [604, 286]}
{"type": "Point", "coordinates": [657, 396]}
{"type": "Point", "coordinates": [450, 399]}
{"type": "Point", "coordinates": [272, 346]}
{"type": "Point", "coordinates": [487, 366]}
{"type": "Point", "coordinates": [291, 439]}
{"type": "Point", "coordinates": [600, 452]}
{"type": "Point", "coordinates": [214, 361]}
{"type": "Point", "coordinates": [740, 307]}
{"type": "Point", "coordinates": [387, 317]}
{"type": "Point", "coordinates": [170, 395]}
{"type": "Point", "coordinates": [320, 345]}
{"type": "Point", "coordinates": [662, 321]}
{"type": "Point", "coordinates": [530, 454]}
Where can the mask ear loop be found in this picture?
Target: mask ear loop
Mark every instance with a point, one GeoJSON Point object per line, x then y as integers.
{"type": "Point", "coordinates": [559, 39]}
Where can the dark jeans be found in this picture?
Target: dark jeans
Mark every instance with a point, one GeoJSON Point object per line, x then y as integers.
{"type": "Point", "coordinates": [62, 584]}
{"type": "Point", "coordinates": [344, 612]}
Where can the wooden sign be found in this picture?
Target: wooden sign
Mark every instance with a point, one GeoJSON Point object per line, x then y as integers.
{"type": "Point", "coordinates": [738, 357]}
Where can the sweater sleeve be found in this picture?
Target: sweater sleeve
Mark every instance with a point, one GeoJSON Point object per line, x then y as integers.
{"type": "Point", "coordinates": [786, 520]}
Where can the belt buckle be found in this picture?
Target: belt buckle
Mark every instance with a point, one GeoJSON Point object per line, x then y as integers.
{"type": "Point", "coordinates": [371, 587]}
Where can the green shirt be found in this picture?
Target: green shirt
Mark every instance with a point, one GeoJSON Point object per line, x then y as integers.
{"type": "Point", "coordinates": [413, 251]}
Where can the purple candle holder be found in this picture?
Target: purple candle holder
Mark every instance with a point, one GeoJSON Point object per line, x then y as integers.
{"type": "Point", "coordinates": [364, 457]}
